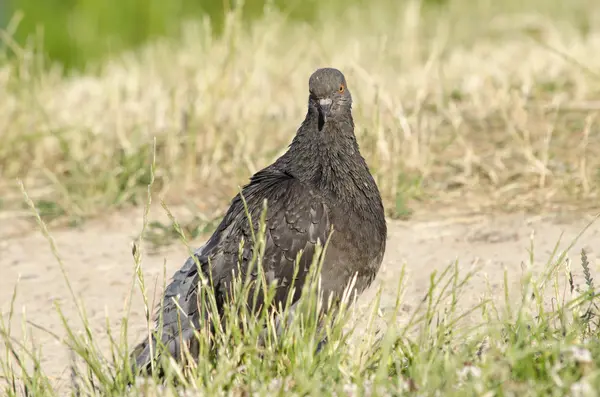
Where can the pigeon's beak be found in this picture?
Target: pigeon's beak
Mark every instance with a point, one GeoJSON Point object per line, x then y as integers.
{"type": "Point", "coordinates": [325, 105]}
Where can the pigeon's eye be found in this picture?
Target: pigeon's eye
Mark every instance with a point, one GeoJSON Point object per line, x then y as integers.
{"type": "Point", "coordinates": [341, 89]}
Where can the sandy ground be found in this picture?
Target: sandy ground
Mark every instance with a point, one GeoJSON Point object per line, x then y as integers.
{"type": "Point", "coordinates": [99, 264]}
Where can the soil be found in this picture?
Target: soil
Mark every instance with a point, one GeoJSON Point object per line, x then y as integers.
{"type": "Point", "coordinates": [98, 261]}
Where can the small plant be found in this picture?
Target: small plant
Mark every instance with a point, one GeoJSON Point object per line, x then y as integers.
{"type": "Point", "coordinates": [525, 349]}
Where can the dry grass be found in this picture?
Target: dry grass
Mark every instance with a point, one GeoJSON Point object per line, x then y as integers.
{"type": "Point", "coordinates": [469, 107]}
{"type": "Point", "coordinates": [543, 343]}
{"type": "Point", "coordinates": [533, 346]}
{"type": "Point", "coordinates": [496, 108]}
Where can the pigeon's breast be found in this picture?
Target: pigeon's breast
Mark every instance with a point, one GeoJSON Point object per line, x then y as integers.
{"type": "Point", "coordinates": [356, 247]}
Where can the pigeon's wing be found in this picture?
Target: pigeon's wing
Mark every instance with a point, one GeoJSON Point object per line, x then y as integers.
{"type": "Point", "coordinates": [296, 220]}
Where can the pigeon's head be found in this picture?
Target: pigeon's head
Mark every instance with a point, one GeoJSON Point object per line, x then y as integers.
{"type": "Point", "coordinates": [329, 94]}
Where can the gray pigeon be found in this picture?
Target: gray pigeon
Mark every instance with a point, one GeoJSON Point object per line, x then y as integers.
{"type": "Point", "coordinates": [321, 182]}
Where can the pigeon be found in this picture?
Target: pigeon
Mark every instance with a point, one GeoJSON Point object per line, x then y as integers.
{"type": "Point", "coordinates": [320, 190]}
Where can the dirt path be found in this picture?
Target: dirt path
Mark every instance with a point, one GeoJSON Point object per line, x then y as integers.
{"type": "Point", "coordinates": [99, 264]}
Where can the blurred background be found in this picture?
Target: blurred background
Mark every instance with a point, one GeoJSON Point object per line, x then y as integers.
{"type": "Point", "coordinates": [451, 97]}
{"type": "Point", "coordinates": [74, 32]}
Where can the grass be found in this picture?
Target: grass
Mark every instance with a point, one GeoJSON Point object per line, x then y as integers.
{"type": "Point", "coordinates": [524, 347]}
{"type": "Point", "coordinates": [76, 32]}
{"type": "Point", "coordinates": [479, 107]}
{"type": "Point", "coordinates": [487, 107]}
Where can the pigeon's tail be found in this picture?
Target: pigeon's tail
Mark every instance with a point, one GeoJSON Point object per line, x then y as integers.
{"type": "Point", "coordinates": [141, 356]}
{"type": "Point", "coordinates": [175, 346]}
{"type": "Point", "coordinates": [178, 323]}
